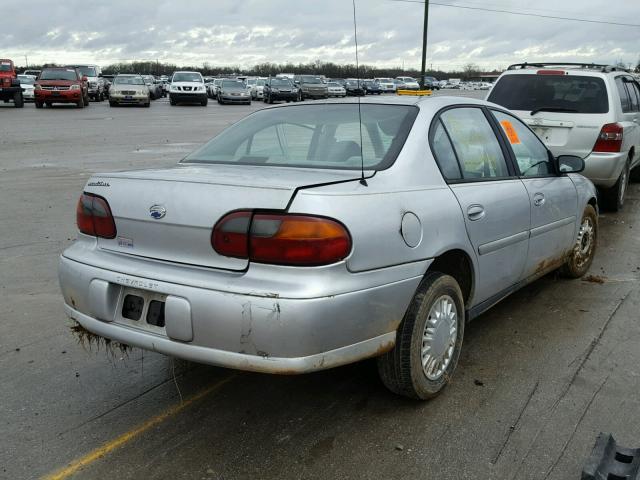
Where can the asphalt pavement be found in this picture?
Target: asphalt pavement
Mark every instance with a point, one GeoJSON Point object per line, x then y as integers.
{"type": "Point", "coordinates": [540, 375]}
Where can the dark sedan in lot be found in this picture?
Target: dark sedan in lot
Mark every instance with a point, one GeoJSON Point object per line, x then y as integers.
{"type": "Point", "coordinates": [355, 88]}
{"type": "Point", "coordinates": [372, 88]}
{"type": "Point", "coordinates": [280, 89]}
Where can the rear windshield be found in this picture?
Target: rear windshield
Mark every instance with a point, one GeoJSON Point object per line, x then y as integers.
{"type": "Point", "coordinates": [128, 80]}
{"type": "Point", "coordinates": [187, 77]}
{"type": "Point", "coordinates": [232, 84]}
{"type": "Point", "coordinates": [58, 75]}
{"type": "Point", "coordinates": [6, 67]}
{"type": "Point", "coordinates": [280, 82]}
{"type": "Point", "coordinates": [562, 93]}
{"type": "Point", "coordinates": [313, 136]}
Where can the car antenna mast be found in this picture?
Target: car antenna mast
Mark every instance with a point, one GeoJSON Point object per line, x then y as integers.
{"type": "Point", "coordinates": [363, 181]}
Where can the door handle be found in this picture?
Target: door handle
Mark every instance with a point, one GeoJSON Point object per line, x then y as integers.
{"type": "Point", "coordinates": [538, 199]}
{"type": "Point", "coordinates": [475, 212]}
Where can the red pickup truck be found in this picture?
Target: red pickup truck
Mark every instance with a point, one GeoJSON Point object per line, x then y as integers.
{"type": "Point", "coordinates": [61, 85]}
{"type": "Point", "coordinates": [10, 89]}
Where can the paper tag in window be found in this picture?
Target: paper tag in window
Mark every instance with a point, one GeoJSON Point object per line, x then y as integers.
{"type": "Point", "coordinates": [512, 135]}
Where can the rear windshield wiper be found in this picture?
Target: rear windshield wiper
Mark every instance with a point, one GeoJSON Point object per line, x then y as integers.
{"type": "Point", "coordinates": [553, 109]}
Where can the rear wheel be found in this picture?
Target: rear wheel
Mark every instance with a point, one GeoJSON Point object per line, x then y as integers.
{"type": "Point", "coordinates": [428, 341]}
{"type": "Point", "coordinates": [613, 198]}
{"type": "Point", "coordinates": [18, 100]}
{"type": "Point", "coordinates": [581, 256]}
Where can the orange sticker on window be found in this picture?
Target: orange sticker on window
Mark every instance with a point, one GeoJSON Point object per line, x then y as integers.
{"type": "Point", "coordinates": [512, 135]}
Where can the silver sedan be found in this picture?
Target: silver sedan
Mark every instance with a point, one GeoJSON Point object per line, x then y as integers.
{"type": "Point", "coordinates": [315, 235]}
{"type": "Point", "coordinates": [129, 90]}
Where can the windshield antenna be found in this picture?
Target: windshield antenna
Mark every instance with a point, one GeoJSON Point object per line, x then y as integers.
{"type": "Point", "coordinates": [363, 181]}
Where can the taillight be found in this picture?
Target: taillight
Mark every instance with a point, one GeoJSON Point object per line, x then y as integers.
{"type": "Point", "coordinates": [609, 139]}
{"type": "Point", "coordinates": [282, 239]}
{"type": "Point", "coordinates": [94, 217]}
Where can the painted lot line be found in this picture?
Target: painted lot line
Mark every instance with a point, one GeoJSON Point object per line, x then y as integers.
{"type": "Point", "coordinates": [126, 437]}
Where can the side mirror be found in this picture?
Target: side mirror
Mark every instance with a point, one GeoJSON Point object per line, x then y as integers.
{"type": "Point", "coordinates": [569, 164]}
{"type": "Point", "coordinates": [85, 78]}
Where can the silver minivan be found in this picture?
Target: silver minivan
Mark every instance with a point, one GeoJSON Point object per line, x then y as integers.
{"type": "Point", "coordinates": [588, 110]}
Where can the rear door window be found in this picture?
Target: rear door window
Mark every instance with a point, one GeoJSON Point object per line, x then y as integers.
{"type": "Point", "coordinates": [444, 153]}
{"type": "Point", "coordinates": [625, 100]}
{"type": "Point", "coordinates": [475, 144]}
{"type": "Point", "coordinates": [561, 93]}
{"type": "Point", "coordinates": [531, 155]}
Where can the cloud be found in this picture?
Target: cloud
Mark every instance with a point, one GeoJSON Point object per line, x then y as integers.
{"type": "Point", "coordinates": [245, 32]}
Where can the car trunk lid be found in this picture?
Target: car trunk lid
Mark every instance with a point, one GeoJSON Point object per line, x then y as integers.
{"type": "Point", "coordinates": [168, 215]}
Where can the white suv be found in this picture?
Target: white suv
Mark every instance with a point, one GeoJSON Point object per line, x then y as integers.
{"type": "Point", "coordinates": [188, 87]}
{"type": "Point", "coordinates": [588, 110]}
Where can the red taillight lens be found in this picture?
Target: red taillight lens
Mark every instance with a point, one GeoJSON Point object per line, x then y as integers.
{"type": "Point", "coordinates": [230, 237]}
{"type": "Point", "coordinates": [94, 217]}
{"type": "Point", "coordinates": [282, 239]}
{"type": "Point", "coordinates": [609, 139]}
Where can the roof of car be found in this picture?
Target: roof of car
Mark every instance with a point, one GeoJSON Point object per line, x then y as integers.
{"type": "Point", "coordinates": [591, 69]}
{"type": "Point", "coordinates": [420, 101]}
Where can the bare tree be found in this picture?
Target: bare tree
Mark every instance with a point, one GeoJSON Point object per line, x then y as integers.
{"type": "Point", "coordinates": [470, 70]}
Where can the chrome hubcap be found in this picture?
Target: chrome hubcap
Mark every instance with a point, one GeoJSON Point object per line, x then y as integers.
{"type": "Point", "coordinates": [439, 337]}
{"type": "Point", "coordinates": [584, 245]}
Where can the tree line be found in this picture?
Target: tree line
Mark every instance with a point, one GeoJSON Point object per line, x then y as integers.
{"type": "Point", "coordinates": [328, 69]}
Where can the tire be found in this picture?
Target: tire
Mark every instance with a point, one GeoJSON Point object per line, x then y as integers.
{"type": "Point", "coordinates": [635, 174]}
{"type": "Point", "coordinates": [270, 100]}
{"type": "Point", "coordinates": [171, 101]}
{"type": "Point", "coordinates": [204, 102]}
{"type": "Point", "coordinates": [401, 369]}
{"type": "Point", "coordinates": [220, 101]}
{"type": "Point", "coordinates": [147, 105]}
{"type": "Point", "coordinates": [39, 104]}
{"type": "Point", "coordinates": [49, 104]}
{"type": "Point", "coordinates": [18, 100]}
{"type": "Point", "coordinates": [86, 102]}
{"type": "Point", "coordinates": [80, 103]}
{"type": "Point", "coordinates": [613, 198]}
{"type": "Point", "coordinates": [112, 103]}
{"type": "Point", "coordinates": [584, 249]}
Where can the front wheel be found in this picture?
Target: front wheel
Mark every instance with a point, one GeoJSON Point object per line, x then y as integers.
{"type": "Point", "coordinates": [584, 249]}
{"type": "Point", "coordinates": [39, 104]}
{"type": "Point", "coordinates": [428, 341]}
{"type": "Point", "coordinates": [204, 102]}
{"type": "Point", "coordinates": [613, 198]}
{"type": "Point", "coordinates": [80, 103]}
{"type": "Point", "coordinates": [18, 100]}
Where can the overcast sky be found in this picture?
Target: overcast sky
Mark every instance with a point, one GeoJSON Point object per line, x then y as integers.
{"type": "Point", "coordinates": [246, 32]}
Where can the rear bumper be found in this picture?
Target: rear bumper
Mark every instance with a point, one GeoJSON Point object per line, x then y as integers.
{"type": "Point", "coordinates": [188, 97]}
{"type": "Point", "coordinates": [235, 98]}
{"type": "Point", "coordinates": [284, 96]}
{"type": "Point", "coordinates": [245, 331]}
{"type": "Point", "coordinates": [604, 169]}
{"type": "Point", "coordinates": [7, 93]}
{"type": "Point", "coordinates": [65, 96]}
{"type": "Point", "coordinates": [134, 100]}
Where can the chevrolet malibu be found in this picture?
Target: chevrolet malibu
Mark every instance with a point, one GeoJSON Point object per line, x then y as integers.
{"type": "Point", "coordinates": [310, 236]}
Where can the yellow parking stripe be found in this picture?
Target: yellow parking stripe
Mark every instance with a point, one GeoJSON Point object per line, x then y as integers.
{"type": "Point", "coordinates": [126, 437]}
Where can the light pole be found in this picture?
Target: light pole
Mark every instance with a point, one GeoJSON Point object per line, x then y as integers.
{"type": "Point", "coordinates": [424, 43]}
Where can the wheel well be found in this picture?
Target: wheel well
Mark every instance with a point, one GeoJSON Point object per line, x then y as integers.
{"type": "Point", "coordinates": [632, 153]}
{"type": "Point", "coordinates": [457, 264]}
